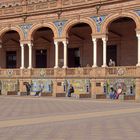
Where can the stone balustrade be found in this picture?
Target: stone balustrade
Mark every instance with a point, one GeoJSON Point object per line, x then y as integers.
{"type": "Point", "coordinates": [98, 72]}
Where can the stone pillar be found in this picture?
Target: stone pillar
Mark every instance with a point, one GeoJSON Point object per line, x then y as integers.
{"type": "Point", "coordinates": [65, 54]}
{"type": "Point", "coordinates": [94, 52]}
{"type": "Point", "coordinates": [137, 91]}
{"type": "Point", "coordinates": [104, 51]}
{"type": "Point", "coordinates": [22, 56]}
{"type": "Point", "coordinates": [138, 36]}
{"type": "Point", "coordinates": [56, 54]}
{"type": "Point", "coordinates": [30, 55]}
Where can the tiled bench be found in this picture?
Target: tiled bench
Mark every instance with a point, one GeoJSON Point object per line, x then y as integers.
{"type": "Point", "coordinates": [99, 96]}
{"type": "Point", "coordinates": [60, 94]}
{"type": "Point", "coordinates": [127, 97]}
{"type": "Point", "coordinates": [46, 94]}
{"type": "Point", "coordinates": [11, 93]}
{"type": "Point", "coordinates": [84, 95]}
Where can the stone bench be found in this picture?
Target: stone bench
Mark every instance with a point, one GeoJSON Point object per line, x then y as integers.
{"type": "Point", "coordinates": [60, 94]}
{"type": "Point", "coordinates": [99, 96]}
{"type": "Point", "coordinates": [126, 97]}
{"type": "Point", "coordinates": [46, 94]}
{"type": "Point", "coordinates": [22, 94]}
{"type": "Point", "coordinates": [11, 93]}
{"type": "Point", "coordinates": [84, 95]}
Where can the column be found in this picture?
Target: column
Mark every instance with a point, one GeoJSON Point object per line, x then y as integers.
{"type": "Point", "coordinates": [94, 52]}
{"type": "Point", "coordinates": [22, 56]}
{"type": "Point", "coordinates": [104, 51]}
{"type": "Point", "coordinates": [56, 54]}
{"type": "Point", "coordinates": [65, 54]}
{"type": "Point", "coordinates": [30, 55]}
{"type": "Point", "coordinates": [138, 36]}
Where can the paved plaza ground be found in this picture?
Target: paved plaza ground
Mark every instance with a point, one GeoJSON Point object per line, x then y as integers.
{"type": "Point", "coordinates": [37, 118]}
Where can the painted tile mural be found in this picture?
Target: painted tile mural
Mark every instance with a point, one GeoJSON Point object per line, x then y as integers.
{"type": "Point", "coordinates": [127, 85]}
{"type": "Point", "coordinates": [38, 84]}
{"type": "Point", "coordinates": [80, 85]}
{"type": "Point", "coordinates": [9, 85]}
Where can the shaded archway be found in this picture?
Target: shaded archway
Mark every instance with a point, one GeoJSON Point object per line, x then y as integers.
{"type": "Point", "coordinates": [35, 27]}
{"type": "Point", "coordinates": [43, 48]}
{"type": "Point", "coordinates": [122, 42]}
{"type": "Point", "coordinates": [80, 45]}
{"type": "Point", "coordinates": [10, 50]}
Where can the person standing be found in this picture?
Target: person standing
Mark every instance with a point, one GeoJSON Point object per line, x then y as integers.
{"type": "Point", "coordinates": [28, 88]}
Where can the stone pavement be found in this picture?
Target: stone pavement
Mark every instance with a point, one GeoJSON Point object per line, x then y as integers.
{"type": "Point", "coordinates": [33, 118]}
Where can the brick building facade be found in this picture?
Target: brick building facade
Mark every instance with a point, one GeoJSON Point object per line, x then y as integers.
{"type": "Point", "coordinates": [70, 41]}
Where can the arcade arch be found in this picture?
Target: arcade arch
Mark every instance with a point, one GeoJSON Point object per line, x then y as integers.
{"type": "Point", "coordinates": [122, 42]}
{"type": "Point", "coordinates": [10, 49]}
{"type": "Point", "coordinates": [43, 48]}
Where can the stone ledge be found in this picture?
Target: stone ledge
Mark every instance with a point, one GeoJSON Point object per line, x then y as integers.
{"type": "Point", "coordinates": [127, 97]}
{"type": "Point", "coordinates": [84, 95]}
{"type": "Point", "coordinates": [46, 94]}
{"type": "Point", "coordinates": [60, 94]}
{"type": "Point", "coordinates": [99, 96]}
{"type": "Point", "coordinates": [11, 93]}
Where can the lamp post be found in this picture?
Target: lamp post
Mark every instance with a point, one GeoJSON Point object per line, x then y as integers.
{"type": "Point", "coordinates": [98, 6]}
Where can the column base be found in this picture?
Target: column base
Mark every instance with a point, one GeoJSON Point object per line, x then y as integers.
{"type": "Point", "coordinates": [104, 65]}
{"type": "Point", "coordinates": [65, 67]}
{"type": "Point", "coordinates": [138, 65]}
{"type": "Point", "coordinates": [29, 67]}
{"type": "Point", "coordinates": [94, 66]}
{"type": "Point", "coordinates": [56, 67]}
{"type": "Point", "coordinates": [22, 67]}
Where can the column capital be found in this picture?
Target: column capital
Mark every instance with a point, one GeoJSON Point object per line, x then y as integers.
{"type": "Point", "coordinates": [21, 45]}
{"type": "Point", "coordinates": [26, 41]}
{"type": "Point", "coordinates": [60, 39]}
{"type": "Point", "coordinates": [56, 43]}
{"type": "Point", "coordinates": [65, 42]}
{"type": "Point", "coordinates": [104, 38]}
{"type": "Point", "coordinates": [94, 39]}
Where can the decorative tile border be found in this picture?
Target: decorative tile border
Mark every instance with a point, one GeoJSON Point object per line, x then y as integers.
{"type": "Point", "coordinates": [99, 20]}
{"type": "Point", "coordinates": [25, 28]}
{"type": "Point", "coordinates": [60, 25]}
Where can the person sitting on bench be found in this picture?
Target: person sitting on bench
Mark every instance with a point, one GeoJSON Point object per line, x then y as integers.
{"type": "Point", "coordinates": [119, 91]}
{"type": "Point", "coordinates": [40, 91]}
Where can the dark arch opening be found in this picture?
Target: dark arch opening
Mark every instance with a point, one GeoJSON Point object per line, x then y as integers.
{"type": "Point", "coordinates": [43, 50]}
{"type": "Point", "coordinates": [122, 42]}
{"type": "Point", "coordinates": [80, 45]}
{"type": "Point", "coordinates": [11, 50]}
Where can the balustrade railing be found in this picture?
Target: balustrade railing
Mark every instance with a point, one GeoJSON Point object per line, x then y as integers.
{"type": "Point", "coordinates": [99, 72]}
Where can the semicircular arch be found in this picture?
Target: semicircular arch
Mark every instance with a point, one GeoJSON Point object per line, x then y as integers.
{"type": "Point", "coordinates": [73, 22]}
{"type": "Point", "coordinates": [111, 18]}
{"type": "Point", "coordinates": [18, 30]}
{"type": "Point", "coordinates": [38, 26]}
